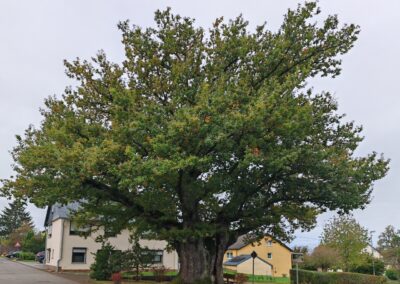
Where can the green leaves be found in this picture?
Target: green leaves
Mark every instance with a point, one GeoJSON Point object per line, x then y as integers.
{"type": "Point", "coordinates": [348, 238]}
{"type": "Point", "coordinates": [197, 132]}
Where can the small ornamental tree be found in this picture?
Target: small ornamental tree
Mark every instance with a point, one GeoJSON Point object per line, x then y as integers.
{"type": "Point", "coordinates": [200, 136]}
{"type": "Point", "coordinates": [138, 257]}
{"type": "Point", "coordinates": [348, 238]}
{"type": "Point", "coordinates": [106, 262]}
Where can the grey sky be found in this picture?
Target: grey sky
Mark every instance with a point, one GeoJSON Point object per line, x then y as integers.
{"type": "Point", "coordinates": [35, 36]}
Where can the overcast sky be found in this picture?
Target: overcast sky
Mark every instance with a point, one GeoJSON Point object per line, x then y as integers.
{"type": "Point", "coordinates": [35, 37]}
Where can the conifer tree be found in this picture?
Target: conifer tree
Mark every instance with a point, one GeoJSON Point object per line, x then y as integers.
{"type": "Point", "coordinates": [13, 217]}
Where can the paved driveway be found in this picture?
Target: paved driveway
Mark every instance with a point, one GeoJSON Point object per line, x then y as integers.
{"type": "Point", "coordinates": [16, 273]}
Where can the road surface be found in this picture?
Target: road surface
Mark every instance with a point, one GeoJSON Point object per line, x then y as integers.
{"type": "Point", "coordinates": [15, 273]}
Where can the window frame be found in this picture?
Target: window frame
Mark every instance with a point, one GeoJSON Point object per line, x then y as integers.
{"type": "Point", "coordinates": [84, 256]}
{"type": "Point", "coordinates": [269, 255]}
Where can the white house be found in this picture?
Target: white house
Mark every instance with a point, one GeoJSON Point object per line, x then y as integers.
{"type": "Point", "coordinates": [66, 249]}
{"type": "Point", "coordinates": [372, 251]}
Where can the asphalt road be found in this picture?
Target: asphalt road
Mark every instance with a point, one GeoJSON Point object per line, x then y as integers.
{"type": "Point", "coordinates": [15, 273]}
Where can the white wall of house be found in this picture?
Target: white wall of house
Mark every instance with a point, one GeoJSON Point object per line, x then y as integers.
{"type": "Point", "coordinates": [53, 242]}
{"type": "Point", "coordinates": [71, 243]}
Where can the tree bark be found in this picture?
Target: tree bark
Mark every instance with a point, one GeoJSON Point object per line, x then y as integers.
{"type": "Point", "coordinates": [218, 257]}
{"type": "Point", "coordinates": [194, 262]}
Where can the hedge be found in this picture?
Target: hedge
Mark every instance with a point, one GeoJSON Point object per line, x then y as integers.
{"type": "Point", "coordinates": [313, 277]}
{"type": "Point", "coordinates": [26, 255]}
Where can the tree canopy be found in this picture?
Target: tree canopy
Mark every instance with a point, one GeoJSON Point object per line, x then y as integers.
{"type": "Point", "coordinates": [348, 238]}
{"type": "Point", "coordinates": [200, 136]}
{"type": "Point", "coordinates": [389, 246]}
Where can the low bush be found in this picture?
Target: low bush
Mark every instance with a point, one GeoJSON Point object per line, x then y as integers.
{"type": "Point", "coordinates": [26, 256]}
{"type": "Point", "coordinates": [392, 274]}
{"type": "Point", "coordinates": [313, 277]}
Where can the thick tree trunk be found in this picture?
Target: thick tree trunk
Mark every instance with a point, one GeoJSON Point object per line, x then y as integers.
{"type": "Point", "coordinates": [194, 262]}
{"type": "Point", "coordinates": [218, 257]}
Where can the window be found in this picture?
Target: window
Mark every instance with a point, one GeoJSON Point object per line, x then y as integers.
{"type": "Point", "coordinates": [74, 229]}
{"type": "Point", "coordinates": [158, 256]}
{"type": "Point", "coordinates": [269, 243]}
{"type": "Point", "coordinates": [269, 255]}
{"type": "Point", "coordinates": [79, 255]}
{"type": "Point", "coordinates": [229, 255]}
{"type": "Point", "coordinates": [49, 231]}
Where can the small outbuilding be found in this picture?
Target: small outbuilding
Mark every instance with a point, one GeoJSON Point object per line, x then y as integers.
{"type": "Point", "coordinates": [244, 264]}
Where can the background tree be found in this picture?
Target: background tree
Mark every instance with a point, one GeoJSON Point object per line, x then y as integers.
{"type": "Point", "coordinates": [389, 246]}
{"type": "Point", "coordinates": [17, 236]}
{"type": "Point", "coordinates": [200, 137]}
{"type": "Point", "coordinates": [33, 241]}
{"type": "Point", "coordinates": [13, 217]}
{"type": "Point", "coordinates": [347, 237]}
{"type": "Point", "coordinates": [325, 257]}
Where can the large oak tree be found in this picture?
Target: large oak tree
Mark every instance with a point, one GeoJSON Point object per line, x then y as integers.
{"type": "Point", "coordinates": [200, 136]}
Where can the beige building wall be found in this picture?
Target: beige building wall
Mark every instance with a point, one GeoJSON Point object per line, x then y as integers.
{"type": "Point", "coordinates": [53, 243]}
{"type": "Point", "coordinates": [281, 256]}
{"type": "Point", "coordinates": [120, 242]}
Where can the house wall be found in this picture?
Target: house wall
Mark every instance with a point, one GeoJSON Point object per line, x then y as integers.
{"type": "Point", "coordinates": [281, 256]}
{"type": "Point", "coordinates": [53, 243]}
{"type": "Point", "coordinates": [120, 242]}
{"type": "Point", "coordinates": [260, 267]}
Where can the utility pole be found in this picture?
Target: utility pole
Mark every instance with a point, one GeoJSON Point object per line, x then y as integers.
{"type": "Point", "coordinates": [372, 251]}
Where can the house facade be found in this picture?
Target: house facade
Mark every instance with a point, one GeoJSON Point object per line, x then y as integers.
{"type": "Point", "coordinates": [244, 264]}
{"type": "Point", "coordinates": [66, 249]}
{"type": "Point", "coordinates": [268, 249]}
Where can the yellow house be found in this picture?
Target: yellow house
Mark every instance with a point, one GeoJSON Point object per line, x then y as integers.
{"type": "Point", "coordinates": [244, 264]}
{"type": "Point", "coordinates": [272, 251]}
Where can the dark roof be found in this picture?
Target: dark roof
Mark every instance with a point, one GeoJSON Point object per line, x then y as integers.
{"type": "Point", "coordinates": [58, 211]}
{"type": "Point", "coordinates": [235, 261]}
{"type": "Point", "coordinates": [243, 241]}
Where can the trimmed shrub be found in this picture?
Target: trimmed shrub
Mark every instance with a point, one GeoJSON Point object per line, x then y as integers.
{"type": "Point", "coordinates": [392, 274]}
{"type": "Point", "coordinates": [367, 266]}
{"type": "Point", "coordinates": [313, 277]}
{"type": "Point", "coordinates": [107, 261]}
{"type": "Point", "coordinates": [26, 255]}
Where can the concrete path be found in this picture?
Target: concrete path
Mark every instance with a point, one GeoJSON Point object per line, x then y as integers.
{"type": "Point", "coordinates": [15, 273]}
